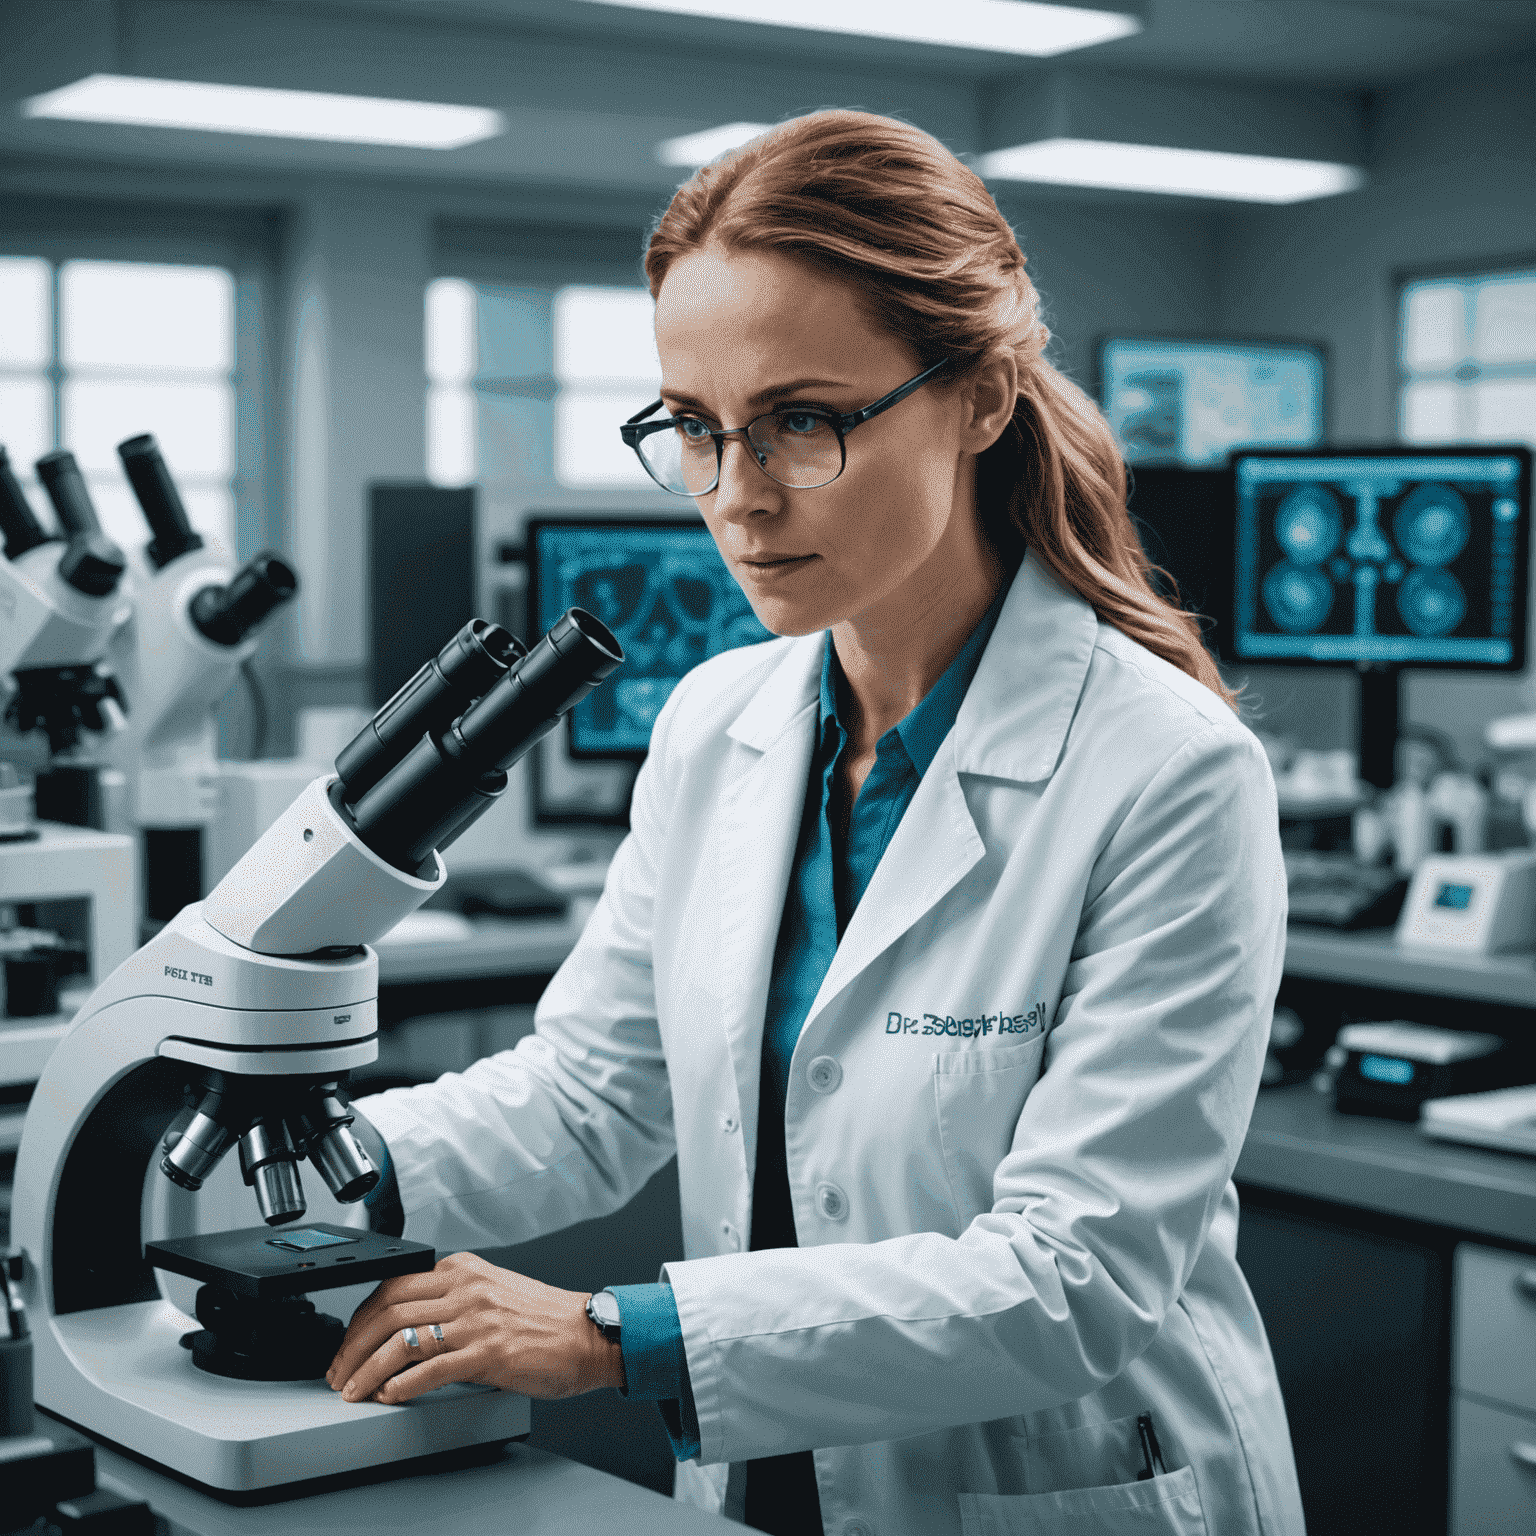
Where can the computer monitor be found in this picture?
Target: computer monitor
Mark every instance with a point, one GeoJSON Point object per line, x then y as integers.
{"type": "Point", "coordinates": [1380, 559]}
{"type": "Point", "coordinates": [660, 585]}
{"type": "Point", "coordinates": [1183, 518]}
{"type": "Point", "coordinates": [1191, 402]}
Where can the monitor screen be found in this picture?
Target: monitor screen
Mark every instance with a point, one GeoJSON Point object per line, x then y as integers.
{"type": "Point", "coordinates": [662, 588]}
{"type": "Point", "coordinates": [1193, 402]}
{"type": "Point", "coordinates": [1393, 557]}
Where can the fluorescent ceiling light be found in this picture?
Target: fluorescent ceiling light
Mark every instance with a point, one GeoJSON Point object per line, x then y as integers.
{"type": "Point", "coordinates": [700, 148]}
{"type": "Point", "coordinates": [269, 113]}
{"type": "Point", "coordinates": [1150, 168]}
{"type": "Point", "coordinates": [999, 26]}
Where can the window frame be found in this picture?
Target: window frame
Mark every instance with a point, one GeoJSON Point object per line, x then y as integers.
{"type": "Point", "coordinates": [246, 243]}
{"type": "Point", "coordinates": [1468, 272]}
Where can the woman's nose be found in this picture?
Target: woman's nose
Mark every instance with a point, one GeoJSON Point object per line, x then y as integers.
{"type": "Point", "coordinates": [744, 488]}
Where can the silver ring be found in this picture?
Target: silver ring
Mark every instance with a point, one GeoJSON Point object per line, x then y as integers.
{"type": "Point", "coordinates": [437, 1333]}
{"type": "Point", "coordinates": [409, 1335]}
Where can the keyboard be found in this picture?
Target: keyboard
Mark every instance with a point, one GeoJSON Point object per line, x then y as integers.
{"type": "Point", "coordinates": [1335, 890]}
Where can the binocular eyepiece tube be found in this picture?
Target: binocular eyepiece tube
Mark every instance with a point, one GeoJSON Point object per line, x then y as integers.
{"type": "Point", "coordinates": [291, 1121]}
{"type": "Point", "coordinates": [467, 667]}
{"type": "Point", "coordinates": [226, 615]}
{"type": "Point", "coordinates": [438, 783]}
{"type": "Point", "coordinates": [18, 522]}
{"type": "Point", "coordinates": [163, 510]}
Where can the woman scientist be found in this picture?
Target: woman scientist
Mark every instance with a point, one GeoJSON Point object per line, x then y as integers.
{"type": "Point", "coordinates": [942, 949]}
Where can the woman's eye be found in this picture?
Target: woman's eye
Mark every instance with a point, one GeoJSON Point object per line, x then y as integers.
{"type": "Point", "coordinates": [692, 428]}
{"type": "Point", "coordinates": [800, 423]}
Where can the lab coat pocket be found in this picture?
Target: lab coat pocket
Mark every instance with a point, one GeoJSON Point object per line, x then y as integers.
{"type": "Point", "coordinates": [979, 1095]}
{"type": "Point", "coordinates": [1161, 1506]}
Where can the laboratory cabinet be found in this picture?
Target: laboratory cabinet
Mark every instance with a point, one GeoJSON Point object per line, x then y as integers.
{"type": "Point", "coordinates": [1493, 1430]}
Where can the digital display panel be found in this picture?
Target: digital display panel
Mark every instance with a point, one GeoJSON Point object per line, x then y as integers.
{"type": "Point", "coordinates": [1457, 897]}
{"type": "Point", "coordinates": [1193, 402]}
{"type": "Point", "coordinates": [1396, 558]}
{"type": "Point", "coordinates": [663, 590]}
{"type": "Point", "coordinates": [1386, 1069]}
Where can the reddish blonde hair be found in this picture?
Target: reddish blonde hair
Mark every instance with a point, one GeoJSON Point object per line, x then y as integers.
{"type": "Point", "coordinates": [888, 208]}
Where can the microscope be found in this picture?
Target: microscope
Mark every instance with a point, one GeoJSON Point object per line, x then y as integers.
{"type": "Point", "coordinates": [60, 604]}
{"type": "Point", "coordinates": [194, 625]}
{"type": "Point", "coordinates": [236, 1026]}
{"type": "Point", "coordinates": [66, 891]}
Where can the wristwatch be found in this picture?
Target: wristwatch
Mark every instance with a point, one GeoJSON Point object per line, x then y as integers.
{"type": "Point", "coordinates": [603, 1309]}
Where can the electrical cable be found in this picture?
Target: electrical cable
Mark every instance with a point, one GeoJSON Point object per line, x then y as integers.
{"type": "Point", "coordinates": [260, 717]}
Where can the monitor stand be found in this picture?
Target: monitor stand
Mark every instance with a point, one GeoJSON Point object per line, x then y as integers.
{"type": "Point", "coordinates": [1380, 703]}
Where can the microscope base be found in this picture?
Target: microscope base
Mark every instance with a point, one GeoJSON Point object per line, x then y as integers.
{"type": "Point", "coordinates": [120, 1373]}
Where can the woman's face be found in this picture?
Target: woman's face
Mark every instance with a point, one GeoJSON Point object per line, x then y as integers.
{"type": "Point", "coordinates": [741, 333]}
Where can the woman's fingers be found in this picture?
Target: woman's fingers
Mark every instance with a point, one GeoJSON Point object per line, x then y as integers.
{"type": "Point", "coordinates": [393, 1356]}
{"type": "Point", "coordinates": [378, 1316]}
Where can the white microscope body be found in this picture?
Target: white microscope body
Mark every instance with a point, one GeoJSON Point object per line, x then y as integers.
{"type": "Point", "coordinates": [196, 621]}
{"type": "Point", "coordinates": [61, 601]}
{"type": "Point", "coordinates": [266, 993]}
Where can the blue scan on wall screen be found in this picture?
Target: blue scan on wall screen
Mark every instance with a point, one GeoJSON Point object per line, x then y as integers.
{"type": "Point", "coordinates": [1403, 559]}
{"type": "Point", "coordinates": [666, 594]}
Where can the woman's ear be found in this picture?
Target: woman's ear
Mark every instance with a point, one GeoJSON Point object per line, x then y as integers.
{"type": "Point", "coordinates": [991, 393]}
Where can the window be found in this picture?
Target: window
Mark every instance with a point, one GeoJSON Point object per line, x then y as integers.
{"type": "Point", "coordinates": [576, 361]}
{"type": "Point", "coordinates": [1467, 350]}
{"type": "Point", "coordinates": [606, 369]}
{"type": "Point", "coordinates": [92, 352]}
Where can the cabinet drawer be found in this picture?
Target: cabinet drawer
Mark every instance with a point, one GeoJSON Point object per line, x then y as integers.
{"type": "Point", "coordinates": [1495, 1350]}
{"type": "Point", "coordinates": [1493, 1471]}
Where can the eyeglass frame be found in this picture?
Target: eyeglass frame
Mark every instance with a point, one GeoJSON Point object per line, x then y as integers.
{"type": "Point", "coordinates": [637, 427]}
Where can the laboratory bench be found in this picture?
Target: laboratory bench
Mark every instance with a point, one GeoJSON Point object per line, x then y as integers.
{"type": "Point", "coordinates": [522, 1489]}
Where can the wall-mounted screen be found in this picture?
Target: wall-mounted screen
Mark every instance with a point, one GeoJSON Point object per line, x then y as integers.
{"type": "Point", "coordinates": [1392, 557]}
{"type": "Point", "coordinates": [1193, 402]}
{"type": "Point", "coordinates": [662, 588]}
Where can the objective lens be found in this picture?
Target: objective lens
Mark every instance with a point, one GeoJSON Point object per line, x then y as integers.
{"type": "Point", "coordinates": [320, 1131]}
{"type": "Point", "coordinates": [268, 1163]}
{"type": "Point", "coordinates": [195, 1153]}
{"type": "Point", "coordinates": [343, 1165]}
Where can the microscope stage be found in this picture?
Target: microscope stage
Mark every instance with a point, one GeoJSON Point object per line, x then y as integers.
{"type": "Point", "coordinates": [266, 1262]}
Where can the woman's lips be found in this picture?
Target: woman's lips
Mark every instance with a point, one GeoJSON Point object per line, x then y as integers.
{"type": "Point", "coordinates": [768, 567]}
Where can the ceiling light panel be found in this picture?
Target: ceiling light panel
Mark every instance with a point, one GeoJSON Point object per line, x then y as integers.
{"type": "Point", "coordinates": [1181, 172]}
{"type": "Point", "coordinates": [131, 100]}
{"type": "Point", "coordinates": [695, 149]}
{"type": "Point", "coordinates": [1028, 27]}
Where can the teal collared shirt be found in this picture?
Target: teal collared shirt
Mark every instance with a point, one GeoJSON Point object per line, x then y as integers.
{"type": "Point", "coordinates": [829, 878]}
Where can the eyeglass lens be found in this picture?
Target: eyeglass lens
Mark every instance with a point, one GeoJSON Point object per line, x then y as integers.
{"type": "Point", "coordinates": [796, 448]}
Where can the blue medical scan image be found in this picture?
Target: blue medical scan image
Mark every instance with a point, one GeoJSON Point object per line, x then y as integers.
{"type": "Point", "coordinates": [1390, 559]}
{"type": "Point", "coordinates": [666, 594]}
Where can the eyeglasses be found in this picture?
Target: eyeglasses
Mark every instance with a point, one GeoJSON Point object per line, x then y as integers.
{"type": "Point", "coordinates": [800, 446]}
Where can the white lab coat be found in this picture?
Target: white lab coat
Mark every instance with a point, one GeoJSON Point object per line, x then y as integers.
{"type": "Point", "coordinates": [1013, 1111]}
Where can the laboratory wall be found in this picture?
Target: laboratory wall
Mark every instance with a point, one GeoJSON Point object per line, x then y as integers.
{"type": "Point", "coordinates": [1452, 188]}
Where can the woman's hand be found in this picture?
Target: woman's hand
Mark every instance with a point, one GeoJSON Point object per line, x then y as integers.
{"type": "Point", "coordinates": [499, 1328]}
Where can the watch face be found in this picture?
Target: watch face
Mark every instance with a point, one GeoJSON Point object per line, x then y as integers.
{"type": "Point", "coordinates": [604, 1308]}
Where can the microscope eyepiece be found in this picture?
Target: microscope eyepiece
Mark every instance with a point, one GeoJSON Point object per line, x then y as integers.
{"type": "Point", "coordinates": [93, 564]}
{"type": "Point", "coordinates": [466, 668]}
{"type": "Point", "coordinates": [158, 496]}
{"type": "Point", "coordinates": [18, 522]}
{"type": "Point", "coordinates": [450, 778]}
{"type": "Point", "coordinates": [226, 615]}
